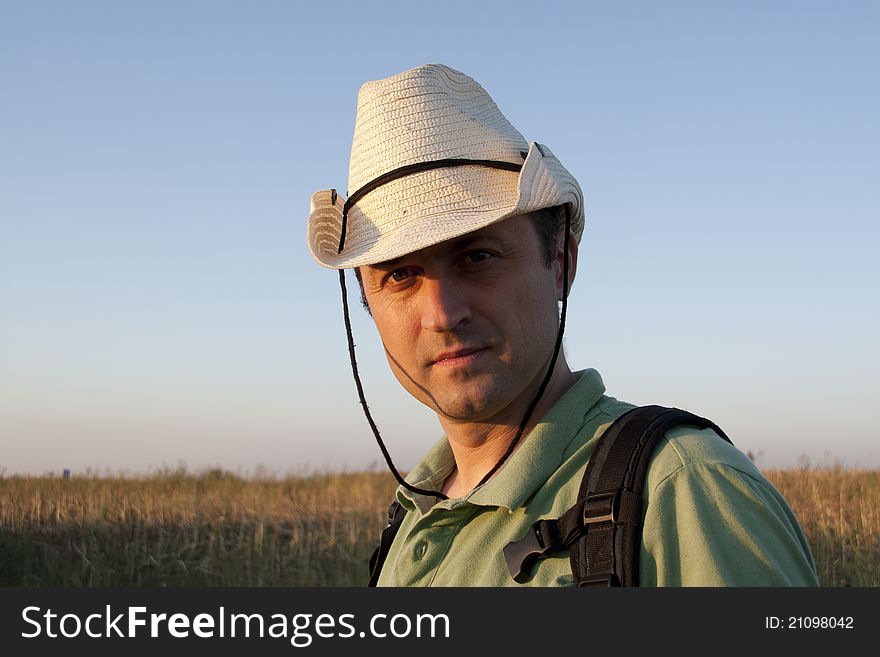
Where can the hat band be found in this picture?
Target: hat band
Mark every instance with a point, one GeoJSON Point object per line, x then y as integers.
{"type": "Point", "coordinates": [408, 170]}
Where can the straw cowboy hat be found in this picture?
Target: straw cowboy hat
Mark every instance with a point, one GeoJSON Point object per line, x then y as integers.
{"type": "Point", "coordinates": [432, 158]}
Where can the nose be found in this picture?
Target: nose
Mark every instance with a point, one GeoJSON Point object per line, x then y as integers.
{"type": "Point", "coordinates": [444, 304]}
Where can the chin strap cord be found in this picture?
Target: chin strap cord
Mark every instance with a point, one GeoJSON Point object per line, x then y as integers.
{"type": "Point", "coordinates": [556, 348]}
{"type": "Point", "coordinates": [360, 390]}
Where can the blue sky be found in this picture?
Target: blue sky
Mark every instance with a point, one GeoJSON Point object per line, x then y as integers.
{"type": "Point", "coordinates": [159, 304]}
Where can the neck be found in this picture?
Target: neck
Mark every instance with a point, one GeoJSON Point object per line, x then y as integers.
{"type": "Point", "coordinates": [478, 445]}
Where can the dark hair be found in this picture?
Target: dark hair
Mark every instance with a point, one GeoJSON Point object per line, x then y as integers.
{"type": "Point", "coordinates": [548, 223]}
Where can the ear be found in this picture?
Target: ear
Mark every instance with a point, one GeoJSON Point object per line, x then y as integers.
{"type": "Point", "coordinates": [559, 264]}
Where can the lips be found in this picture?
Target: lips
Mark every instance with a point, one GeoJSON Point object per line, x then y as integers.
{"type": "Point", "coordinates": [461, 356]}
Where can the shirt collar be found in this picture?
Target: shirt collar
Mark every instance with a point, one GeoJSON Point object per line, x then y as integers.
{"type": "Point", "coordinates": [538, 456]}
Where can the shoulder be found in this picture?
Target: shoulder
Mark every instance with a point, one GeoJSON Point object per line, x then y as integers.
{"type": "Point", "coordinates": [698, 463]}
{"type": "Point", "coordinates": [688, 459]}
{"type": "Point", "coordinates": [688, 448]}
{"type": "Point", "coordinates": [683, 449]}
{"type": "Point", "coordinates": [711, 518]}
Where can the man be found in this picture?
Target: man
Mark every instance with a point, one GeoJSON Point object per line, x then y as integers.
{"type": "Point", "coordinates": [464, 238]}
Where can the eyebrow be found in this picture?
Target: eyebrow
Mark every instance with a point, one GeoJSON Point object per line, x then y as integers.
{"type": "Point", "coordinates": [466, 240]}
{"type": "Point", "coordinates": [384, 265]}
{"type": "Point", "coordinates": [458, 244]}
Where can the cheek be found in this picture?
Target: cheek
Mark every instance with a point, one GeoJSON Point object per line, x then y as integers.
{"type": "Point", "coordinates": [397, 326]}
{"type": "Point", "coordinates": [535, 311]}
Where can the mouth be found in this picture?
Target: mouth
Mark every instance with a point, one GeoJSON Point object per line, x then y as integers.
{"type": "Point", "coordinates": [459, 357]}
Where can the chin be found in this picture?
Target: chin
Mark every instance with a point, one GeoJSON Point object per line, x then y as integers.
{"type": "Point", "coordinates": [471, 408]}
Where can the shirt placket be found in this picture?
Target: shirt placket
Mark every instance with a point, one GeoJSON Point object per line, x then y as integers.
{"type": "Point", "coordinates": [428, 543]}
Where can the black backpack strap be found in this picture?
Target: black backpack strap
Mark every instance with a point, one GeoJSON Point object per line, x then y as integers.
{"type": "Point", "coordinates": [607, 551]}
{"type": "Point", "coordinates": [396, 514]}
{"type": "Point", "coordinates": [602, 530]}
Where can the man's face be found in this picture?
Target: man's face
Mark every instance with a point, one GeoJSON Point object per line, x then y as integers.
{"type": "Point", "coordinates": [469, 324]}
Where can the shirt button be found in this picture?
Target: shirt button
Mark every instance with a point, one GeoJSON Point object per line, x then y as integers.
{"type": "Point", "coordinates": [420, 549]}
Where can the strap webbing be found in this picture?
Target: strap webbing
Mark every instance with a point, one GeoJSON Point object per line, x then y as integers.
{"type": "Point", "coordinates": [602, 530]}
{"type": "Point", "coordinates": [607, 552]}
{"type": "Point", "coordinates": [396, 514]}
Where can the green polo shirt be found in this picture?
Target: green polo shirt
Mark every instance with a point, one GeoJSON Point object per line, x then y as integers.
{"type": "Point", "coordinates": [710, 518]}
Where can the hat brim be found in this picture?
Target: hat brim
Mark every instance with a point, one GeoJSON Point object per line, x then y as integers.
{"type": "Point", "coordinates": [426, 208]}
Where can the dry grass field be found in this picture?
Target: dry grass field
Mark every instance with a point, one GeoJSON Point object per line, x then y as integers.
{"type": "Point", "coordinates": [217, 529]}
{"type": "Point", "coordinates": [839, 510]}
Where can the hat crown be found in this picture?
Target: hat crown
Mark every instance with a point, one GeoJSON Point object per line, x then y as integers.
{"type": "Point", "coordinates": [408, 118]}
{"type": "Point", "coordinates": [425, 117]}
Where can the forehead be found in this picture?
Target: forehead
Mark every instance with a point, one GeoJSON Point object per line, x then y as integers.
{"type": "Point", "coordinates": [514, 232]}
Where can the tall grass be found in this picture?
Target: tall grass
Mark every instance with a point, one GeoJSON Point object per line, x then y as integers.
{"type": "Point", "coordinates": [217, 529]}
{"type": "Point", "coordinates": [839, 511]}
{"type": "Point", "coordinates": [178, 529]}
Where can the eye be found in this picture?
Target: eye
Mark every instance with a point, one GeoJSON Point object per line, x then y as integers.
{"type": "Point", "coordinates": [476, 257]}
{"type": "Point", "coordinates": [399, 275]}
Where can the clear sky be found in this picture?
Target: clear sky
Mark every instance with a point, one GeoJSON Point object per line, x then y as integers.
{"type": "Point", "coordinates": [159, 304]}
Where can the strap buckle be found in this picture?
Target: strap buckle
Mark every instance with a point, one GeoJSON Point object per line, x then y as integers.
{"type": "Point", "coordinates": [601, 507]}
{"type": "Point", "coordinates": [521, 555]}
